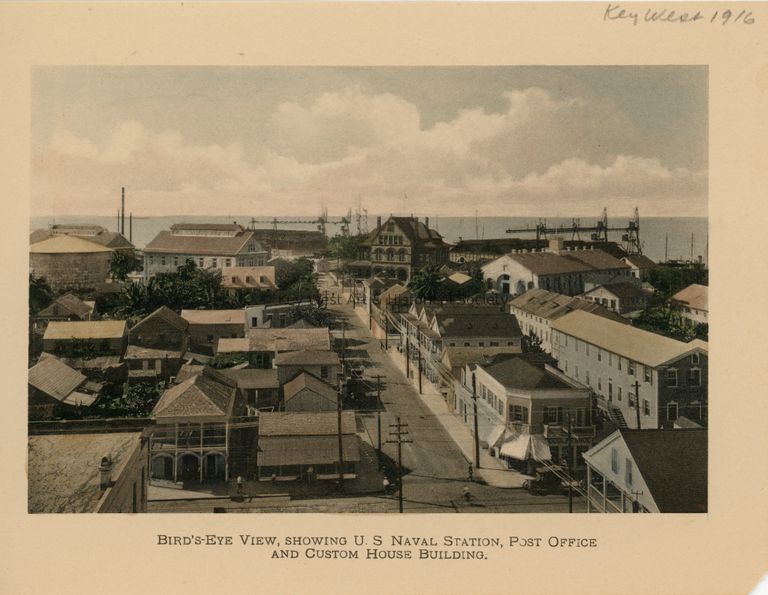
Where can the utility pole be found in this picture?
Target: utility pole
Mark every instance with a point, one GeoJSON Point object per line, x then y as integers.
{"type": "Point", "coordinates": [418, 355]}
{"type": "Point", "coordinates": [477, 435]}
{"type": "Point", "coordinates": [637, 403]}
{"type": "Point", "coordinates": [386, 329]}
{"type": "Point", "coordinates": [399, 433]}
{"type": "Point", "coordinates": [341, 443]}
{"type": "Point", "coordinates": [570, 467]}
{"type": "Point", "coordinates": [378, 378]}
{"type": "Point", "coordinates": [407, 357]}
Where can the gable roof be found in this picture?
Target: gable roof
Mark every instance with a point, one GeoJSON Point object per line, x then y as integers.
{"type": "Point", "coordinates": [673, 464]}
{"type": "Point", "coordinates": [92, 233]}
{"type": "Point", "coordinates": [568, 261]}
{"type": "Point", "coordinates": [63, 244]}
{"type": "Point", "coordinates": [621, 290]}
{"type": "Point", "coordinates": [469, 324]}
{"type": "Point", "coordinates": [305, 380]}
{"type": "Point", "coordinates": [308, 357]}
{"type": "Point", "coordinates": [69, 302]}
{"type": "Point", "coordinates": [289, 339]}
{"type": "Point", "coordinates": [303, 423]}
{"type": "Point", "coordinates": [640, 261]}
{"type": "Point", "coordinates": [414, 229]}
{"type": "Point", "coordinates": [208, 394]}
{"type": "Point", "coordinates": [253, 378]}
{"type": "Point", "coordinates": [551, 305]}
{"type": "Point", "coordinates": [214, 316]}
{"type": "Point", "coordinates": [165, 314]}
{"type": "Point", "coordinates": [54, 378]}
{"type": "Point", "coordinates": [517, 372]}
{"type": "Point", "coordinates": [458, 357]}
{"type": "Point", "coordinates": [169, 243]}
{"type": "Point", "coordinates": [85, 329]}
{"type": "Point", "coordinates": [694, 296]}
{"type": "Point", "coordinates": [626, 340]}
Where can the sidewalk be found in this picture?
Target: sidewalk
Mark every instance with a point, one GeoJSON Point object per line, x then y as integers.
{"type": "Point", "coordinates": [492, 471]}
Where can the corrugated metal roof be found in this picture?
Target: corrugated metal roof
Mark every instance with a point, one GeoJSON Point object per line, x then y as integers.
{"type": "Point", "coordinates": [633, 343]}
{"type": "Point", "coordinates": [694, 296]}
{"type": "Point", "coordinates": [85, 329]}
{"type": "Point", "coordinates": [306, 450]}
{"type": "Point", "coordinates": [576, 261]}
{"type": "Point", "coordinates": [64, 244]}
{"type": "Point", "coordinates": [289, 423]}
{"type": "Point", "coordinates": [55, 378]}
{"type": "Point", "coordinates": [214, 316]}
{"type": "Point", "coordinates": [167, 243]}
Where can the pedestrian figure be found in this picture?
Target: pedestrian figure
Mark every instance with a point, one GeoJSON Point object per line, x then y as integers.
{"type": "Point", "coordinates": [470, 472]}
{"type": "Point", "coordinates": [385, 483]}
{"type": "Point", "coordinates": [467, 495]}
{"type": "Point", "coordinates": [239, 485]}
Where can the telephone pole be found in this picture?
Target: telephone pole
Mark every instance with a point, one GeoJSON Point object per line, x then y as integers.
{"type": "Point", "coordinates": [637, 403]}
{"type": "Point", "coordinates": [477, 435]}
{"type": "Point", "coordinates": [418, 355]}
{"type": "Point", "coordinates": [341, 442]}
{"type": "Point", "coordinates": [570, 467]}
{"type": "Point", "coordinates": [399, 434]}
{"type": "Point", "coordinates": [378, 378]}
{"type": "Point", "coordinates": [407, 357]}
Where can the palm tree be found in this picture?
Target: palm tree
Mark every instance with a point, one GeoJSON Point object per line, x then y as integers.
{"type": "Point", "coordinates": [425, 283]}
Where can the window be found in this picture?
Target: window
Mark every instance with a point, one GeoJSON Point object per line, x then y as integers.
{"type": "Point", "coordinates": [466, 344]}
{"type": "Point", "coordinates": [599, 355]}
{"type": "Point", "coordinates": [324, 372]}
{"type": "Point", "coordinates": [494, 343]}
{"type": "Point", "coordinates": [618, 362]}
{"type": "Point", "coordinates": [610, 359]}
{"type": "Point", "coordinates": [481, 344]}
{"type": "Point", "coordinates": [672, 411]}
{"type": "Point", "coordinates": [228, 262]}
{"type": "Point", "coordinates": [581, 416]}
{"type": "Point", "coordinates": [588, 382]}
{"type": "Point", "coordinates": [610, 389]}
{"type": "Point", "coordinates": [586, 346]}
{"type": "Point", "coordinates": [694, 377]}
{"type": "Point", "coordinates": [599, 383]}
{"type": "Point", "coordinates": [553, 415]}
{"type": "Point", "coordinates": [630, 367]}
{"type": "Point", "coordinates": [201, 262]}
{"type": "Point", "coordinates": [614, 460]}
{"type": "Point", "coordinates": [215, 262]}
{"type": "Point", "coordinates": [518, 413]}
{"type": "Point", "coordinates": [162, 261]}
{"type": "Point", "coordinates": [618, 392]}
{"type": "Point", "coordinates": [671, 377]}
{"type": "Point", "coordinates": [175, 261]}
{"type": "Point", "coordinates": [577, 372]}
{"type": "Point", "coordinates": [648, 374]}
{"type": "Point", "coordinates": [254, 321]}
{"type": "Point", "coordinates": [209, 338]}
{"type": "Point", "coordinates": [646, 407]}
{"type": "Point", "coordinates": [628, 472]}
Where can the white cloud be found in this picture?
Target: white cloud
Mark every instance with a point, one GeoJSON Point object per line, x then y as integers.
{"type": "Point", "coordinates": [538, 155]}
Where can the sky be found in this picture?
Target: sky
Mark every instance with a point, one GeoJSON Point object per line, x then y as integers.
{"type": "Point", "coordinates": [446, 141]}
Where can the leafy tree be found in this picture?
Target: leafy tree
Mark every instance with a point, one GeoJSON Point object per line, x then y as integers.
{"type": "Point", "coordinates": [138, 401]}
{"type": "Point", "coordinates": [665, 320]}
{"type": "Point", "coordinates": [346, 247]}
{"type": "Point", "coordinates": [121, 264]}
{"type": "Point", "coordinates": [532, 343]}
{"type": "Point", "coordinates": [425, 283]}
{"type": "Point", "coordinates": [228, 360]}
{"type": "Point", "coordinates": [40, 294]}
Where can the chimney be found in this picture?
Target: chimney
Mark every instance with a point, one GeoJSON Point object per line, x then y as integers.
{"type": "Point", "coordinates": [556, 244]}
{"type": "Point", "coordinates": [426, 221]}
{"type": "Point", "coordinates": [378, 222]}
{"type": "Point", "coordinates": [105, 472]}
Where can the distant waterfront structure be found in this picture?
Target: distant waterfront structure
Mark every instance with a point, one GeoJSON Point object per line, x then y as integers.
{"type": "Point", "coordinates": [208, 245]}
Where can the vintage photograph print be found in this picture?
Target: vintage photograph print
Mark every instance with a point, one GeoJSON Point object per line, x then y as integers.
{"type": "Point", "coordinates": [368, 289]}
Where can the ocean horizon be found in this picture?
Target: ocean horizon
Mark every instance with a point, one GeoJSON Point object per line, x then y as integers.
{"type": "Point", "coordinates": [673, 235]}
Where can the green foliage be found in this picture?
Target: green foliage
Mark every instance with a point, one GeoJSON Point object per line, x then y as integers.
{"type": "Point", "coordinates": [121, 264]}
{"type": "Point", "coordinates": [665, 320]}
{"type": "Point", "coordinates": [532, 343]}
{"type": "Point", "coordinates": [313, 314]}
{"type": "Point", "coordinates": [40, 294]}
{"type": "Point", "coordinates": [346, 247]}
{"type": "Point", "coordinates": [138, 401]}
{"type": "Point", "coordinates": [425, 283]}
{"type": "Point", "coordinates": [668, 279]}
{"type": "Point", "coordinates": [228, 360]}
